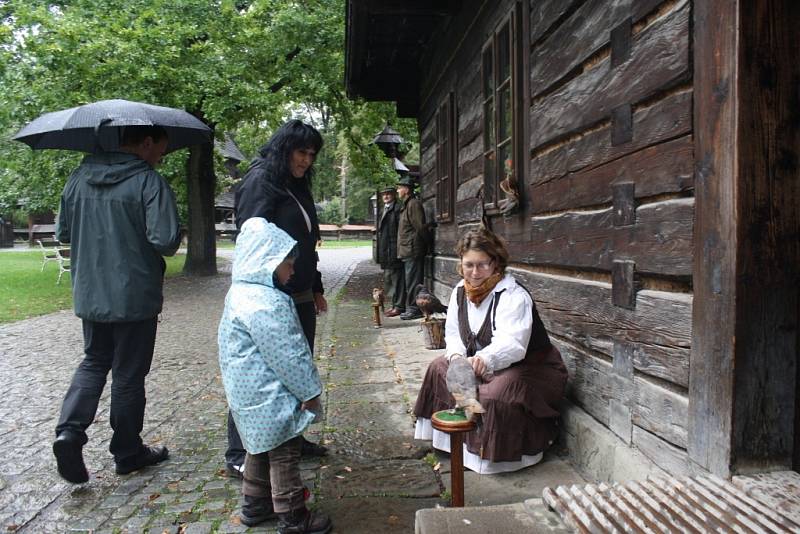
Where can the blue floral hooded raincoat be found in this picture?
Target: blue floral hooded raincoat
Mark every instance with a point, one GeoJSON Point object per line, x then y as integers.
{"type": "Point", "coordinates": [266, 364]}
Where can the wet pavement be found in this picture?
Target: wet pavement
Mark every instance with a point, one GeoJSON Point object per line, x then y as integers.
{"type": "Point", "coordinates": [374, 479]}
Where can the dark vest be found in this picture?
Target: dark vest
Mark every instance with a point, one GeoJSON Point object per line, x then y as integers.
{"type": "Point", "coordinates": [539, 339]}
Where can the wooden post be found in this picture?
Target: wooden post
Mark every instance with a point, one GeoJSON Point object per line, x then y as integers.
{"type": "Point", "coordinates": [376, 315]}
{"type": "Point", "coordinates": [457, 469]}
{"type": "Point", "coordinates": [742, 381]}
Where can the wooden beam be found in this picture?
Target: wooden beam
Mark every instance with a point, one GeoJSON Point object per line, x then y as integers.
{"type": "Point", "coordinates": [745, 322]}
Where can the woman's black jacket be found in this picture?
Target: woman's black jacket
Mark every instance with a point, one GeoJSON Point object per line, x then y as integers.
{"type": "Point", "coordinates": [258, 196]}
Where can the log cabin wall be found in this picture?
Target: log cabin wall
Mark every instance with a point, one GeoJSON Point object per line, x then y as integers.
{"type": "Point", "coordinates": [604, 239]}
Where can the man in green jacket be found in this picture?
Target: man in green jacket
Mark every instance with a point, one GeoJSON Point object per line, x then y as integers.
{"type": "Point", "coordinates": [412, 244]}
{"type": "Point", "coordinates": [120, 217]}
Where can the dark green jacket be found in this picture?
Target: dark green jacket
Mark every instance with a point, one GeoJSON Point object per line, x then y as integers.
{"type": "Point", "coordinates": [119, 216]}
{"type": "Point", "coordinates": [412, 238]}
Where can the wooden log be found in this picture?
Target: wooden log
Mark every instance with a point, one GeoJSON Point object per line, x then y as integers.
{"type": "Point", "coordinates": [660, 411]}
{"type": "Point", "coordinates": [660, 242]}
{"type": "Point", "coordinates": [427, 137]}
{"type": "Point", "coordinates": [666, 119]}
{"type": "Point", "coordinates": [471, 169]}
{"type": "Point", "coordinates": [546, 14]}
{"type": "Point", "coordinates": [589, 383]}
{"type": "Point", "coordinates": [659, 59]}
{"type": "Point", "coordinates": [468, 210]}
{"type": "Point", "coordinates": [470, 121]}
{"type": "Point", "coordinates": [579, 37]}
{"type": "Point", "coordinates": [471, 152]}
{"type": "Point", "coordinates": [656, 170]}
{"type": "Point", "coordinates": [469, 189]}
{"type": "Point", "coordinates": [659, 329]}
{"type": "Point", "coordinates": [427, 160]}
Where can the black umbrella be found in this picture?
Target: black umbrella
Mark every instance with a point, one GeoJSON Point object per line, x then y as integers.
{"type": "Point", "coordinates": [98, 126]}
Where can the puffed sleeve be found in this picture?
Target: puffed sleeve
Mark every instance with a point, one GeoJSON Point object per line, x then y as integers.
{"type": "Point", "coordinates": [452, 337]}
{"type": "Point", "coordinates": [513, 324]}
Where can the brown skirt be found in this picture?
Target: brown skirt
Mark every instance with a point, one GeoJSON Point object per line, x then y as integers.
{"type": "Point", "coordinates": [521, 405]}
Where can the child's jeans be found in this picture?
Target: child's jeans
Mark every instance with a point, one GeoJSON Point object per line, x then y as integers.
{"type": "Point", "coordinates": [276, 474]}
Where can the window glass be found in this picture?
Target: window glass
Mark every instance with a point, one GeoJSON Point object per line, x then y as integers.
{"type": "Point", "coordinates": [506, 122]}
{"type": "Point", "coordinates": [503, 54]}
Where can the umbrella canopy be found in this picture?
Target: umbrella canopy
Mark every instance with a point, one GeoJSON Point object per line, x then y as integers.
{"type": "Point", "coordinates": [98, 126]}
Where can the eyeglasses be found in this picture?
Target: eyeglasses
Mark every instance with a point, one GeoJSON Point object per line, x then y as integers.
{"type": "Point", "coordinates": [480, 266]}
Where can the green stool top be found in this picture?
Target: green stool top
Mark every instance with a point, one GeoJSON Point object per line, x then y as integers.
{"type": "Point", "coordinates": [451, 421]}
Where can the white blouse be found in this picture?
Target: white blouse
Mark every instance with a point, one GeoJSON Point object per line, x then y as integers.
{"type": "Point", "coordinates": [513, 324]}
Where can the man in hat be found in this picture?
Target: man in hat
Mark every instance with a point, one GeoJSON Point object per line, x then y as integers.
{"type": "Point", "coordinates": [412, 244]}
{"type": "Point", "coordinates": [393, 274]}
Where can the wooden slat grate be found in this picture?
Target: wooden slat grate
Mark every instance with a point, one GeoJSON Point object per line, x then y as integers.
{"type": "Point", "coordinates": [665, 505]}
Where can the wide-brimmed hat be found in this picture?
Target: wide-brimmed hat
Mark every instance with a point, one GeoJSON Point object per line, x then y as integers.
{"type": "Point", "coordinates": [406, 181]}
{"type": "Point", "coordinates": [389, 189]}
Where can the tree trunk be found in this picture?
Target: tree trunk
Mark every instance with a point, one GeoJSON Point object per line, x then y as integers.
{"type": "Point", "coordinates": [201, 256]}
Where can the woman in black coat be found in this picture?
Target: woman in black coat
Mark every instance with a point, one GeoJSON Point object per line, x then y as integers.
{"type": "Point", "coordinates": [277, 187]}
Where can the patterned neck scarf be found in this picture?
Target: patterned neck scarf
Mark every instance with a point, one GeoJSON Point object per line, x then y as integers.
{"type": "Point", "coordinates": [476, 294]}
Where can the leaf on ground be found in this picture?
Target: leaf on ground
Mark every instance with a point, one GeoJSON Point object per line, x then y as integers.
{"type": "Point", "coordinates": [153, 496]}
{"type": "Point", "coordinates": [348, 469]}
{"type": "Point", "coordinates": [437, 466]}
{"type": "Point", "coordinates": [340, 477]}
{"type": "Point", "coordinates": [393, 520]}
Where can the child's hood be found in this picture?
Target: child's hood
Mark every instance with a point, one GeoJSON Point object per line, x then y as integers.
{"type": "Point", "coordinates": [260, 248]}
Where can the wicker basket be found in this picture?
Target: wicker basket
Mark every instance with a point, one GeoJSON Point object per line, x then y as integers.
{"type": "Point", "coordinates": [433, 332]}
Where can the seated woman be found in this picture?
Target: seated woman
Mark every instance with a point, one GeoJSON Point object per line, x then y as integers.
{"type": "Point", "coordinates": [492, 321]}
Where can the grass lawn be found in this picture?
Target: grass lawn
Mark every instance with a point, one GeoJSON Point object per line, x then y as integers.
{"type": "Point", "coordinates": [26, 291]}
{"type": "Point", "coordinates": [346, 243]}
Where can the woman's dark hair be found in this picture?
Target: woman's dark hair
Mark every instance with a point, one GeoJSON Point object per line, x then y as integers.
{"type": "Point", "coordinates": [293, 135]}
{"type": "Point", "coordinates": [484, 241]}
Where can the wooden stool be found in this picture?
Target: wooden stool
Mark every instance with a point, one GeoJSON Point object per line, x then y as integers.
{"type": "Point", "coordinates": [454, 424]}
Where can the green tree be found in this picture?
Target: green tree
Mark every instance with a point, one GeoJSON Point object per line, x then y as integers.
{"type": "Point", "coordinates": [240, 66]}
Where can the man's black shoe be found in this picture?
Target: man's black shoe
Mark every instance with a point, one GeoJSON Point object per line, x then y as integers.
{"type": "Point", "coordinates": [256, 510]}
{"type": "Point", "coordinates": [69, 457]}
{"type": "Point", "coordinates": [413, 314]}
{"type": "Point", "coordinates": [309, 448]}
{"type": "Point", "coordinates": [147, 456]}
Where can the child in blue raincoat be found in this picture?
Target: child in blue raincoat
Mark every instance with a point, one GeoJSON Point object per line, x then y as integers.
{"type": "Point", "coordinates": [270, 380]}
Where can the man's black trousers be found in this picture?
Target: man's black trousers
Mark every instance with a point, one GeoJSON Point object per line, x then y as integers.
{"type": "Point", "coordinates": [125, 349]}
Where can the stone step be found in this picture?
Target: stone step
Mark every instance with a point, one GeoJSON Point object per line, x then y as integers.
{"type": "Point", "coordinates": [532, 516]}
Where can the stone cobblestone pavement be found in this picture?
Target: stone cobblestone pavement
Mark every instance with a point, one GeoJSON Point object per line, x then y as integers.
{"type": "Point", "coordinates": [186, 411]}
